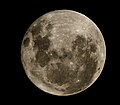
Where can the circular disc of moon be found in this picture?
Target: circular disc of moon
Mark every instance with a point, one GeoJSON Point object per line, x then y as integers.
{"type": "Point", "coordinates": [63, 52]}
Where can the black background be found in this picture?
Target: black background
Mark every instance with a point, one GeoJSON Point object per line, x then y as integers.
{"type": "Point", "coordinates": [20, 14]}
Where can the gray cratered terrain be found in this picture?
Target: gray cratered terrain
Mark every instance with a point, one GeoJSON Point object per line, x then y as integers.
{"type": "Point", "coordinates": [63, 52]}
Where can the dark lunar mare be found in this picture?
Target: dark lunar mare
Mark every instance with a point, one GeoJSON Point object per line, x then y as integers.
{"type": "Point", "coordinates": [61, 75]}
{"type": "Point", "coordinates": [90, 64]}
{"type": "Point", "coordinates": [42, 44]}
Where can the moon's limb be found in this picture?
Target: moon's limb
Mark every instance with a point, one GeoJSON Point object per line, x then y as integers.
{"type": "Point", "coordinates": [63, 52]}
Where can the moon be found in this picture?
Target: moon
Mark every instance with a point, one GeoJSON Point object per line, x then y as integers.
{"type": "Point", "coordinates": [63, 52]}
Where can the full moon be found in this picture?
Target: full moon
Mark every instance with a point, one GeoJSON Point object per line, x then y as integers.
{"type": "Point", "coordinates": [63, 52]}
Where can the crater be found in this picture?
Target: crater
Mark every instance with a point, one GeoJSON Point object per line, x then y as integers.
{"type": "Point", "coordinates": [26, 42]}
{"type": "Point", "coordinates": [53, 54]}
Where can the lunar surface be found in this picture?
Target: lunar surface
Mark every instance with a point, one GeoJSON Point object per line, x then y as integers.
{"type": "Point", "coordinates": [63, 52]}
